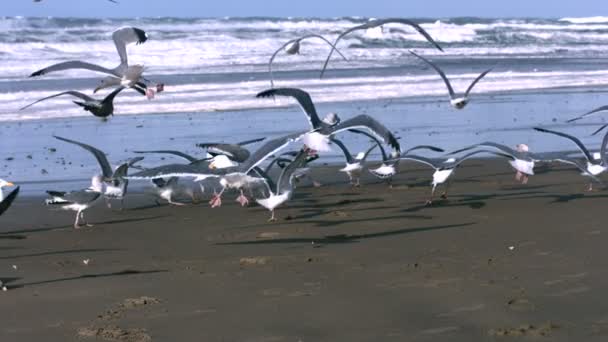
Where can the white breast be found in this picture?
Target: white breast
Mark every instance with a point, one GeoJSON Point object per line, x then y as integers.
{"type": "Point", "coordinates": [440, 176]}
{"type": "Point", "coordinates": [352, 167]}
{"type": "Point", "coordinates": [317, 142]}
{"type": "Point", "coordinates": [384, 170]}
{"type": "Point", "coordinates": [523, 166]}
{"type": "Point", "coordinates": [274, 201]}
{"type": "Point", "coordinates": [595, 169]}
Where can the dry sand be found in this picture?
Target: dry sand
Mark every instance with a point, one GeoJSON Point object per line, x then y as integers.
{"type": "Point", "coordinates": [496, 261]}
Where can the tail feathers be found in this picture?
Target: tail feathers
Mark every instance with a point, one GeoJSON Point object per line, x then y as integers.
{"type": "Point", "coordinates": [56, 198]}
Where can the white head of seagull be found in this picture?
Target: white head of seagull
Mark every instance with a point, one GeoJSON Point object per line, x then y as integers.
{"type": "Point", "coordinates": [3, 184]}
{"type": "Point", "coordinates": [458, 102]}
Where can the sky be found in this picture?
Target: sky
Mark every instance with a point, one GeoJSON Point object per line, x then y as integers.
{"type": "Point", "coordinates": [306, 8]}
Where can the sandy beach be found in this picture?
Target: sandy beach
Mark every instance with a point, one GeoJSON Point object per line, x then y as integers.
{"type": "Point", "coordinates": [494, 261]}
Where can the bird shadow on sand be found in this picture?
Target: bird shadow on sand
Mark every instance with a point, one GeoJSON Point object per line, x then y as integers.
{"type": "Point", "coordinates": [85, 276]}
{"type": "Point", "coordinates": [12, 237]}
{"type": "Point", "coordinates": [70, 251]}
{"type": "Point", "coordinates": [68, 227]}
{"type": "Point", "coordinates": [565, 198]}
{"type": "Point", "coordinates": [345, 238]}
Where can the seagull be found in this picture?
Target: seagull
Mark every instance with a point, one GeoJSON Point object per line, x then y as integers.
{"type": "Point", "coordinates": [130, 79]}
{"type": "Point", "coordinates": [78, 201]}
{"type": "Point", "coordinates": [102, 109]}
{"type": "Point", "coordinates": [282, 191]}
{"type": "Point", "coordinates": [292, 47]}
{"type": "Point", "coordinates": [3, 184]}
{"type": "Point", "coordinates": [122, 37]}
{"type": "Point", "coordinates": [444, 169]}
{"type": "Point", "coordinates": [6, 202]}
{"type": "Point", "coordinates": [354, 165]}
{"type": "Point", "coordinates": [455, 101]}
{"type": "Point", "coordinates": [376, 23]}
{"type": "Point", "coordinates": [115, 182]}
{"type": "Point", "coordinates": [317, 138]}
{"type": "Point", "coordinates": [523, 160]}
{"type": "Point", "coordinates": [596, 163]}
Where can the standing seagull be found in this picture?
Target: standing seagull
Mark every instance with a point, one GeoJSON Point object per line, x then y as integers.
{"type": "Point", "coordinates": [456, 101]}
{"type": "Point", "coordinates": [102, 109]}
{"type": "Point", "coordinates": [5, 203]}
{"type": "Point", "coordinates": [282, 191]}
{"type": "Point", "coordinates": [596, 163]}
{"type": "Point", "coordinates": [78, 201]}
{"type": "Point", "coordinates": [321, 130]}
{"type": "Point", "coordinates": [376, 23]}
{"type": "Point", "coordinates": [444, 169]}
{"type": "Point", "coordinates": [292, 47]}
{"type": "Point", "coordinates": [115, 182]}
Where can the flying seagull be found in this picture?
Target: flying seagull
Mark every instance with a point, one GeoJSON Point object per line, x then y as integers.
{"type": "Point", "coordinates": [292, 47]}
{"type": "Point", "coordinates": [596, 163]}
{"type": "Point", "coordinates": [376, 23]}
{"type": "Point", "coordinates": [444, 169]}
{"type": "Point", "coordinates": [102, 109]}
{"type": "Point", "coordinates": [458, 102]}
{"type": "Point", "coordinates": [523, 161]}
{"type": "Point", "coordinates": [354, 165]}
{"type": "Point", "coordinates": [317, 138]}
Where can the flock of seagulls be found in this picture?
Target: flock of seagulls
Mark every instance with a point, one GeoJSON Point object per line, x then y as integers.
{"type": "Point", "coordinates": [234, 167]}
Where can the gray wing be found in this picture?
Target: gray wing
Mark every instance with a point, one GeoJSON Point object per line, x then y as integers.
{"type": "Point", "coordinates": [71, 92]}
{"type": "Point", "coordinates": [81, 197]}
{"type": "Point", "coordinates": [268, 149]}
{"type": "Point", "coordinates": [234, 152]}
{"type": "Point", "coordinates": [176, 153]}
{"type": "Point", "coordinates": [376, 23]}
{"type": "Point", "coordinates": [439, 71]}
{"type": "Point", "coordinates": [369, 150]}
{"type": "Point", "coordinates": [8, 200]}
{"type": "Point", "coordinates": [600, 109]}
{"type": "Point", "coordinates": [466, 93]}
{"type": "Point", "coordinates": [106, 169]}
{"type": "Point", "coordinates": [121, 171]}
{"type": "Point", "coordinates": [574, 139]}
{"type": "Point", "coordinates": [74, 65]}
{"type": "Point", "coordinates": [501, 147]}
{"type": "Point", "coordinates": [127, 35]}
{"type": "Point", "coordinates": [177, 170]}
{"type": "Point", "coordinates": [424, 147]}
{"type": "Point", "coordinates": [303, 99]}
{"type": "Point", "coordinates": [461, 159]}
{"type": "Point", "coordinates": [345, 151]}
{"type": "Point", "coordinates": [249, 142]}
{"type": "Point", "coordinates": [604, 149]}
{"type": "Point", "coordinates": [284, 182]}
{"type": "Point", "coordinates": [372, 125]}
{"type": "Point", "coordinates": [582, 167]}
{"type": "Point", "coordinates": [373, 137]}
{"type": "Point", "coordinates": [423, 160]}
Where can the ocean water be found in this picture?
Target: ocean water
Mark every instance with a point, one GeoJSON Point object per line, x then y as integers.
{"type": "Point", "coordinates": [544, 72]}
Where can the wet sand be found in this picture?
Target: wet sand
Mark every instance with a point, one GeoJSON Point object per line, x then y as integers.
{"type": "Point", "coordinates": [496, 261]}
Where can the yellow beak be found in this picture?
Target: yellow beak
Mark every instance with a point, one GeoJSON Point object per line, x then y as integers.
{"type": "Point", "coordinates": [9, 184]}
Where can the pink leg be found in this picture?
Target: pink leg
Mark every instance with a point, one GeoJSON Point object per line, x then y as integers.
{"type": "Point", "coordinates": [518, 176]}
{"type": "Point", "coordinates": [242, 199]}
{"type": "Point", "coordinates": [150, 93]}
{"type": "Point", "coordinates": [216, 201]}
{"type": "Point", "coordinates": [524, 179]}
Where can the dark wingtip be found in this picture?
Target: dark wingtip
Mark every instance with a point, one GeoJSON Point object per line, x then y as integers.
{"type": "Point", "coordinates": [142, 36]}
{"type": "Point", "coordinates": [37, 73]}
{"type": "Point", "coordinates": [572, 120]}
{"type": "Point", "coordinates": [266, 93]}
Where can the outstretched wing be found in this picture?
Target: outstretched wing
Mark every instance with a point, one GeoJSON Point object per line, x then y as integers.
{"type": "Point", "coordinates": [73, 65]}
{"type": "Point", "coordinates": [372, 125]}
{"type": "Point", "coordinates": [303, 99]}
{"type": "Point", "coordinates": [106, 169]}
{"type": "Point", "coordinates": [70, 92]}
{"type": "Point", "coordinates": [127, 35]}
{"type": "Point", "coordinates": [176, 153]}
{"type": "Point", "coordinates": [600, 109]}
{"type": "Point", "coordinates": [466, 93]}
{"type": "Point", "coordinates": [574, 139]}
{"type": "Point", "coordinates": [439, 71]}
{"type": "Point", "coordinates": [8, 200]}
